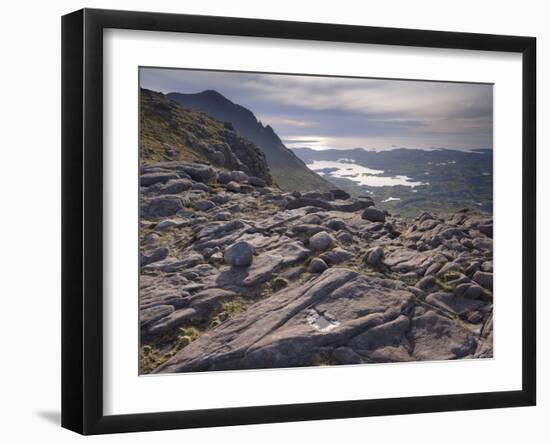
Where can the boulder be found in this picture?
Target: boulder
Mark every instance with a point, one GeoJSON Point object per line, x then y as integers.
{"type": "Point", "coordinates": [198, 186]}
{"type": "Point", "coordinates": [256, 181]}
{"type": "Point", "coordinates": [338, 194]}
{"type": "Point", "coordinates": [204, 205]}
{"type": "Point", "coordinates": [469, 290]}
{"type": "Point", "coordinates": [373, 215]}
{"type": "Point", "coordinates": [317, 266]}
{"type": "Point", "coordinates": [374, 256]}
{"type": "Point", "coordinates": [238, 176]}
{"type": "Point", "coordinates": [239, 254]}
{"type": "Point", "coordinates": [344, 237]}
{"type": "Point", "coordinates": [233, 186]}
{"type": "Point", "coordinates": [336, 224]}
{"type": "Point", "coordinates": [224, 177]}
{"type": "Point", "coordinates": [155, 256]}
{"type": "Point", "coordinates": [321, 241]}
{"type": "Point", "coordinates": [311, 219]}
{"type": "Point", "coordinates": [336, 256]}
{"type": "Point", "coordinates": [162, 206]}
{"type": "Point", "coordinates": [484, 279]}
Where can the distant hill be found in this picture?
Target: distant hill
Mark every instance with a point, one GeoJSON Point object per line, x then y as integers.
{"type": "Point", "coordinates": [289, 171]}
{"type": "Point", "coordinates": [170, 132]}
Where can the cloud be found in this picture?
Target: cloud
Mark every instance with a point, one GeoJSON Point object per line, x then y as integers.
{"type": "Point", "coordinates": [362, 110]}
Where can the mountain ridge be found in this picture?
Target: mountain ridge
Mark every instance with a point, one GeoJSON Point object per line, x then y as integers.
{"type": "Point", "coordinates": [170, 132]}
{"type": "Point", "coordinates": [288, 170]}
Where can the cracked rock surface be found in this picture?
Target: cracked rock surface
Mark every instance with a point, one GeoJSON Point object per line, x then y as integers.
{"type": "Point", "coordinates": [237, 274]}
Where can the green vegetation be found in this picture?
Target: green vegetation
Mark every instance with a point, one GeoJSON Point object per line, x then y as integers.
{"type": "Point", "coordinates": [323, 359]}
{"type": "Point", "coordinates": [452, 179]}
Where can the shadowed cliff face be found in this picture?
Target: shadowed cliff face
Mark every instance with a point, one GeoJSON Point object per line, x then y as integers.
{"type": "Point", "coordinates": [169, 132]}
{"type": "Point", "coordinates": [287, 169]}
{"type": "Point", "coordinates": [236, 274]}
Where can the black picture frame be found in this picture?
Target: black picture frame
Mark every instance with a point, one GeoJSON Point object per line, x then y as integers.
{"type": "Point", "coordinates": [82, 218]}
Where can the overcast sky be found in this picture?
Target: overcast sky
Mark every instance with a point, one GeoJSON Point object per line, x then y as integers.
{"type": "Point", "coordinates": [330, 112]}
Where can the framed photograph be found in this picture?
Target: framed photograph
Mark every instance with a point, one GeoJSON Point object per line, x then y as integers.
{"type": "Point", "coordinates": [269, 221]}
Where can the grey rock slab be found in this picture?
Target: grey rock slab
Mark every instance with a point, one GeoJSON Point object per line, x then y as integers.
{"type": "Point", "coordinates": [435, 337]}
{"type": "Point", "coordinates": [155, 256]}
{"type": "Point", "coordinates": [469, 290]}
{"type": "Point", "coordinates": [156, 177]}
{"type": "Point", "coordinates": [162, 206]}
{"type": "Point", "coordinates": [204, 205]}
{"type": "Point", "coordinates": [346, 356]}
{"type": "Point", "coordinates": [484, 279]}
{"type": "Point", "coordinates": [256, 181]}
{"type": "Point", "coordinates": [304, 201]}
{"type": "Point", "coordinates": [336, 256]}
{"type": "Point", "coordinates": [152, 314]}
{"type": "Point", "coordinates": [352, 206]}
{"type": "Point", "coordinates": [279, 332]}
{"type": "Point", "coordinates": [264, 265]}
{"type": "Point", "coordinates": [453, 303]}
{"type": "Point", "coordinates": [390, 333]}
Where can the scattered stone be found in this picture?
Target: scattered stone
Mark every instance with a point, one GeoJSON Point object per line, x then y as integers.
{"type": "Point", "coordinates": [373, 215]}
{"type": "Point", "coordinates": [224, 177]}
{"type": "Point", "coordinates": [468, 290]}
{"type": "Point", "coordinates": [165, 224]}
{"type": "Point", "coordinates": [239, 254]}
{"type": "Point", "coordinates": [317, 266]}
{"type": "Point", "coordinates": [426, 283]}
{"type": "Point", "coordinates": [238, 176]}
{"type": "Point", "coordinates": [336, 224]}
{"type": "Point", "coordinates": [279, 283]}
{"type": "Point", "coordinates": [204, 205]}
{"type": "Point", "coordinates": [223, 216]}
{"type": "Point", "coordinates": [162, 206]}
{"type": "Point", "coordinates": [339, 194]}
{"type": "Point", "coordinates": [156, 177]}
{"type": "Point", "coordinates": [302, 202]}
{"type": "Point", "coordinates": [374, 256]}
{"type": "Point", "coordinates": [197, 186]}
{"type": "Point", "coordinates": [336, 256]}
{"type": "Point", "coordinates": [155, 256]}
{"type": "Point", "coordinates": [233, 186]}
{"type": "Point", "coordinates": [312, 219]}
{"type": "Point", "coordinates": [344, 237]}
{"type": "Point", "coordinates": [321, 241]}
{"type": "Point", "coordinates": [256, 181]}
{"type": "Point", "coordinates": [484, 279]}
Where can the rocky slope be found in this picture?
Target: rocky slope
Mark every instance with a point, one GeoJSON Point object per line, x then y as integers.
{"type": "Point", "coordinates": [289, 171]}
{"type": "Point", "coordinates": [170, 132]}
{"type": "Point", "coordinates": [236, 274]}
